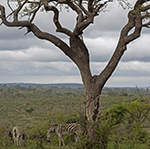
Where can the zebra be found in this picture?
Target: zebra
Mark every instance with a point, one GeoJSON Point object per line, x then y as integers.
{"type": "Point", "coordinates": [6, 132]}
{"type": "Point", "coordinates": [18, 135]}
{"type": "Point", "coordinates": [64, 129]}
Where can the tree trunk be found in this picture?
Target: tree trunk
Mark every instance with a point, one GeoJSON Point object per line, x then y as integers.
{"type": "Point", "coordinates": [92, 85]}
{"type": "Point", "coordinates": [92, 111]}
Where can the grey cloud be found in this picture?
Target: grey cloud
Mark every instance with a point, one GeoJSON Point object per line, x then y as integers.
{"type": "Point", "coordinates": [110, 22]}
{"type": "Point", "coordinates": [102, 48]}
{"type": "Point", "coordinates": [138, 50]}
{"type": "Point", "coordinates": [107, 22]}
{"type": "Point", "coordinates": [128, 81]}
{"type": "Point", "coordinates": [28, 59]}
{"type": "Point", "coordinates": [14, 39]}
{"type": "Point", "coordinates": [56, 68]}
{"type": "Point", "coordinates": [132, 68]}
{"type": "Point", "coordinates": [11, 33]}
{"type": "Point", "coordinates": [14, 44]}
{"type": "Point", "coordinates": [23, 42]}
{"type": "Point", "coordinates": [38, 68]}
{"type": "Point", "coordinates": [46, 79]}
{"type": "Point", "coordinates": [33, 54]}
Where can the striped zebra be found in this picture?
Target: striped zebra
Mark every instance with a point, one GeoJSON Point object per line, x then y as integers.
{"type": "Point", "coordinates": [64, 129]}
{"type": "Point", "coordinates": [19, 135]}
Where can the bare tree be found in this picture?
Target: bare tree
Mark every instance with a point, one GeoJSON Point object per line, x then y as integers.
{"type": "Point", "coordinates": [76, 50]}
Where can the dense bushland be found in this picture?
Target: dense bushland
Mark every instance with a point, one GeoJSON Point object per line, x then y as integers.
{"type": "Point", "coordinates": [123, 123]}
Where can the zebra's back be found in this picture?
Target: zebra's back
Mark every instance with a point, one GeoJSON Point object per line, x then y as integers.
{"type": "Point", "coordinates": [68, 129]}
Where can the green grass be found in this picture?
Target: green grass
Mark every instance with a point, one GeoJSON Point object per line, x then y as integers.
{"type": "Point", "coordinates": [35, 108]}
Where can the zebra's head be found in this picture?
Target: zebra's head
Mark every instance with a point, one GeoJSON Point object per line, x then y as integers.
{"type": "Point", "coordinates": [50, 131]}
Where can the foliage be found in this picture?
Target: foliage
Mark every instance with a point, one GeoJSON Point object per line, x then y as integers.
{"type": "Point", "coordinates": [138, 110]}
{"type": "Point", "coordinates": [123, 123]}
{"type": "Point", "coordinates": [121, 126]}
{"type": "Point", "coordinates": [38, 133]}
{"type": "Point", "coordinates": [108, 120]}
{"type": "Point", "coordinates": [25, 108]}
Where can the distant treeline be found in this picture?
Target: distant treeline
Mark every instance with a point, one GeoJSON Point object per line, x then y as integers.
{"type": "Point", "coordinates": [70, 88]}
{"type": "Point", "coordinates": [71, 85]}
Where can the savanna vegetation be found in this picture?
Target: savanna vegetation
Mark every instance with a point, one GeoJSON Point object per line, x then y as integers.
{"type": "Point", "coordinates": [23, 14]}
{"type": "Point", "coordinates": [123, 123]}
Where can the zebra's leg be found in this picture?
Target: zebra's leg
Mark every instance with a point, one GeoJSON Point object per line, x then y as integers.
{"type": "Point", "coordinates": [20, 139]}
{"type": "Point", "coordinates": [76, 138]}
{"type": "Point", "coordinates": [23, 142]}
{"type": "Point", "coordinates": [63, 141]}
{"type": "Point", "coordinates": [14, 139]}
{"type": "Point", "coordinates": [17, 140]}
{"type": "Point", "coordinates": [59, 141]}
{"type": "Point", "coordinates": [59, 136]}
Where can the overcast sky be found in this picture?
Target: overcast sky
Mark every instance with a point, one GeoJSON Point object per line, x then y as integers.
{"type": "Point", "coordinates": [30, 60]}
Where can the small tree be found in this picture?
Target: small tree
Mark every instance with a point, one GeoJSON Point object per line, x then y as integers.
{"type": "Point", "coordinates": [76, 50]}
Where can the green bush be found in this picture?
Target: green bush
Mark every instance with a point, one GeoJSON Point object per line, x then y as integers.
{"type": "Point", "coordinates": [38, 133]}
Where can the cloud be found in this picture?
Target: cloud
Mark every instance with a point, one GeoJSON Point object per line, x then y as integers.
{"type": "Point", "coordinates": [38, 68]}
{"type": "Point", "coordinates": [46, 79]}
{"type": "Point", "coordinates": [138, 50]}
{"type": "Point", "coordinates": [108, 23]}
{"type": "Point", "coordinates": [100, 50]}
{"type": "Point", "coordinates": [33, 54]}
{"type": "Point", "coordinates": [132, 68]}
{"type": "Point", "coordinates": [128, 81]}
{"type": "Point", "coordinates": [29, 59]}
{"type": "Point", "coordinates": [56, 68]}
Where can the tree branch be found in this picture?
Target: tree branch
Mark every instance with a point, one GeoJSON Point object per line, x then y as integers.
{"type": "Point", "coordinates": [99, 6]}
{"type": "Point", "coordinates": [56, 19]}
{"type": "Point", "coordinates": [80, 16]}
{"type": "Point", "coordinates": [18, 9]}
{"type": "Point", "coordinates": [34, 13]}
{"type": "Point", "coordinates": [9, 5]}
{"type": "Point", "coordinates": [37, 32]}
{"type": "Point", "coordinates": [82, 25]}
{"type": "Point", "coordinates": [134, 22]}
{"type": "Point", "coordinates": [90, 14]}
{"type": "Point", "coordinates": [90, 6]}
{"type": "Point", "coordinates": [82, 22]}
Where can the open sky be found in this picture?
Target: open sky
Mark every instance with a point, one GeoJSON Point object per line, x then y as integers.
{"type": "Point", "coordinates": [26, 59]}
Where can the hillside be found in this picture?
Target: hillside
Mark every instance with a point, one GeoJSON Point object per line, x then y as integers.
{"type": "Point", "coordinates": [36, 107]}
{"type": "Point", "coordinates": [21, 105]}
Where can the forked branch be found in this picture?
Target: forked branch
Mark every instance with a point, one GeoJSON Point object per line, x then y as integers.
{"type": "Point", "coordinates": [56, 19]}
{"type": "Point", "coordinates": [130, 32]}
